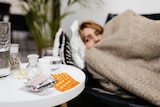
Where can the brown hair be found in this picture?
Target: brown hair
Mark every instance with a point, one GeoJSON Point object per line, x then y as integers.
{"type": "Point", "coordinates": [89, 24]}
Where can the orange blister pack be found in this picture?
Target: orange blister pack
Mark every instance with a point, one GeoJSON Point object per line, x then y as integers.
{"type": "Point", "coordinates": [64, 81]}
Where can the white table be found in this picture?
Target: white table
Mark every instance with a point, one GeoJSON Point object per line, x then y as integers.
{"type": "Point", "coordinates": [12, 96]}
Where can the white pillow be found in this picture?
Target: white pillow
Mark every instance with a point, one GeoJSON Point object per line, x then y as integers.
{"type": "Point", "coordinates": [77, 46]}
{"type": "Point", "coordinates": [56, 42]}
{"type": "Point", "coordinates": [62, 48]}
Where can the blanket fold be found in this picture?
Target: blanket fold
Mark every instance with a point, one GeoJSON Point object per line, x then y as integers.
{"type": "Point", "coordinates": [128, 56]}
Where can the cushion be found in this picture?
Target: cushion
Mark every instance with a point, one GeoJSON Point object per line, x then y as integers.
{"type": "Point", "coordinates": [62, 48]}
{"type": "Point", "coordinates": [77, 46]}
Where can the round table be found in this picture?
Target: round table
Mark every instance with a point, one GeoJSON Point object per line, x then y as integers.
{"type": "Point", "coordinates": [11, 94]}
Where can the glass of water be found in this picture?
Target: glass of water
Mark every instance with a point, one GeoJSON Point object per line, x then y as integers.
{"type": "Point", "coordinates": [5, 48]}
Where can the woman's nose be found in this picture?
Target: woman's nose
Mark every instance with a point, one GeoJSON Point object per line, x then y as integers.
{"type": "Point", "coordinates": [96, 39]}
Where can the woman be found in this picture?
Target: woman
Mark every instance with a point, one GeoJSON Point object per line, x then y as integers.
{"type": "Point", "coordinates": [90, 32]}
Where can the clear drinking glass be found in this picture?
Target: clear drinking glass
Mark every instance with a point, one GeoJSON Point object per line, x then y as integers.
{"type": "Point", "coordinates": [5, 48]}
{"type": "Point", "coordinates": [47, 51]}
{"type": "Point", "coordinates": [32, 66]}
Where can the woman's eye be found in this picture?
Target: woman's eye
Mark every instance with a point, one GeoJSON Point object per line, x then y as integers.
{"type": "Point", "coordinates": [87, 40]}
{"type": "Point", "coordinates": [97, 33]}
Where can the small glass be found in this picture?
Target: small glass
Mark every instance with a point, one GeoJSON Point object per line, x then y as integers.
{"type": "Point", "coordinates": [15, 56]}
{"type": "Point", "coordinates": [47, 51]}
{"type": "Point", "coordinates": [44, 64]}
{"type": "Point", "coordinates": [32, 66]}
{"type": "Point", "coordinates": [55, 62]}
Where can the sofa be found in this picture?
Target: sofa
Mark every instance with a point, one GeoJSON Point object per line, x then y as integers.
{"type": "Point", "coordinates": [93, 93]}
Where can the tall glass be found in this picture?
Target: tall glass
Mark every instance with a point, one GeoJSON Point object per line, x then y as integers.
{"type": "Point", "coordinates": [5, 42]}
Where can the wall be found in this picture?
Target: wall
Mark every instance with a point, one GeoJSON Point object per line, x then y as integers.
{"type": "Point", "coordinates": [99, 14]}
{"type": "Point", "coordinates": [15, 6]}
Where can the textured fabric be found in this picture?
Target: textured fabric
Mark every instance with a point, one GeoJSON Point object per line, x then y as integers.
{"type": "Point", "coordinates": [62, 48]}
{"type": "Point", "coordinates": [154, 16]}
{"type": "Point", "coordinates": [56, 42]}
{"type": "Point", "coordinates": [128, 56]}
{"type": "Point", "coordinates": [65, 50]}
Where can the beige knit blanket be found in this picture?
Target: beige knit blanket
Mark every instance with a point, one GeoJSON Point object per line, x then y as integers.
{"type": "Point", "coordinates": [128, 56]}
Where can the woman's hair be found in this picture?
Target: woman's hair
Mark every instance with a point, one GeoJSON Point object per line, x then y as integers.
{"type": "Point", "coordinates": [89, 24]}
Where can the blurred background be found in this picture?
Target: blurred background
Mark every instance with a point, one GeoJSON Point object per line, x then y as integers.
{"type": "Point", "coordinates": [12, 11]}
{"type": "Point", "coordinates": [97, 12]}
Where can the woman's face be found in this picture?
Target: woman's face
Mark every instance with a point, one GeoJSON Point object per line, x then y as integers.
{"type": "Point", "coordinates": [91, 37]}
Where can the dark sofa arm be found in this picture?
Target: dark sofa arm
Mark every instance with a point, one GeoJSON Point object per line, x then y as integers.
{"type": "Point", "coordinates": [108, 99]}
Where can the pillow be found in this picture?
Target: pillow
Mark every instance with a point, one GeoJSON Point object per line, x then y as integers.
{"type": "Point", "coordinates": [56, 43]}
{"type": "Point", "coordinates": [77, 46]}
{"type": "Point", "coordinates": [62, 48]}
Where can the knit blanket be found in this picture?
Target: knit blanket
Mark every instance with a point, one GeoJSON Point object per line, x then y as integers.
{"type": "Point", "coordinates": [128, 56]}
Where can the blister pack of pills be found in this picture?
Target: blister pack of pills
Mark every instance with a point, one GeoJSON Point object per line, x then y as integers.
{"type": "Point", "coordinates": [40, 83]}
{"type": "Point", "coordinates": [64, 81]}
